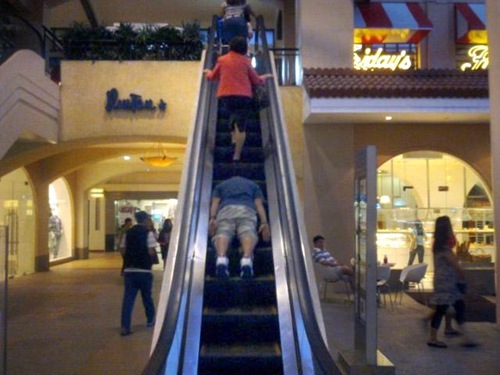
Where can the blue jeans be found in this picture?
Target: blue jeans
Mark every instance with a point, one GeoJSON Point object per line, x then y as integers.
{"type": "Point", "coordinates": [135, 281]}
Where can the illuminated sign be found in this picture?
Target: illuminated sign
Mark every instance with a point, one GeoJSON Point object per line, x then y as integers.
{"type": "Point", "coordinates": [479, 58]}
{"type": "Point", "coordinates": [133, 103]}
{"type": "Point", "coordinates": [369, 60]}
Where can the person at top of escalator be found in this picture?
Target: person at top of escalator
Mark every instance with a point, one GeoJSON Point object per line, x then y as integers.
{"type": "Point", "coordinates": [236, 77]}
{"type": "Point", "coordinates": [236, 20]}
{"type": "Point", "coordinates": [236, 207]}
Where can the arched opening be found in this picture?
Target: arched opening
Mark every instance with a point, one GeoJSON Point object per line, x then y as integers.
{"type": "Point", "coordinates": [17, 213]}
{"type": "Point", "coordinates": [424, 185]}
{"type": "Point", "coordinates": [60, 221]}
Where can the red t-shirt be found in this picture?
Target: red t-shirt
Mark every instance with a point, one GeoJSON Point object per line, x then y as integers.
{"type": "Point", "coordinates": [236, 75]}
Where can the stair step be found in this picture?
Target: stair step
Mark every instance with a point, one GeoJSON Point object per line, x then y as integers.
{"type": "Point", "coordinates": [238, 312]}
{"type": "Point", "coordinates": [245, 359]}
{"type": "Point", "coordinates": [250, 350]}
{"type": "Point", "coordinates": [226, 294]}
{"type": "Point", "coordinates": [238, 325]}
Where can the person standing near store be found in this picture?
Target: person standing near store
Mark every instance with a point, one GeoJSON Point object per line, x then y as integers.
{"type": "Point", "coordinates": [138, 248]}
{"type": "Point", "coordinates": [236, 75]}
{"type": "Point", "coordinates": [449, 283]}
{"type": "Point", "coordinates": [418, 243]}
{"type": "Point", "coordinates": [164, 239]}
{"type": "Point", "coordinates": [127, 224]}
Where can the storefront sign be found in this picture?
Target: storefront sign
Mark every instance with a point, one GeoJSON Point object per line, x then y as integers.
{"type": "Point", "coordinates": [369, 60]}
{"type": "Point", "coordinates": [133, 103]}
{"type": "Point", "coordinates": [479, 58]}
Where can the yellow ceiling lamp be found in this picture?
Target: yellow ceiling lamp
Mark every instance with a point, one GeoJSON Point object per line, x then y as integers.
{"type": "Point", "coordinates": [160, 160]}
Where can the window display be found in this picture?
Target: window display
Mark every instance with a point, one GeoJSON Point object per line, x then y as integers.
{"type": "Point", "coordinates": [60, 218]}
{"type": "Point", "coordinates": [421, 186]}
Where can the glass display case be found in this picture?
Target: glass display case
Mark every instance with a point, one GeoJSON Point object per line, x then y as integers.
{"type": "Point", "coordinates": [472, 226]}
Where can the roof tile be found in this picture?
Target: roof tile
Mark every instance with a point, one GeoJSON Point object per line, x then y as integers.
{"type": "Point", "coordinates": [423, 83]}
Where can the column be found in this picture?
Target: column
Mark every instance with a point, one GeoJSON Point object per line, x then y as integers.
{"type": "Point", "coordinates": [493, 22]}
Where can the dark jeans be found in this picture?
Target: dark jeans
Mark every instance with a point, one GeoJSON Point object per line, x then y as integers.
{"type": "Point", "coordinates": [134, 282]}
{"type": "Point", "coordinates": [419, 250]}
{"type": "Point", "coordinates": [459, 306]}
{"type": "Point", "coordinates": [239, 108]}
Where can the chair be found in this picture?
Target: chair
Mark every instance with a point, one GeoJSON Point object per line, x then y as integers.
{"type": "Point", "coordinates": [330, 277]}
{"type": "Point", "coordinates": [413, 275]}
{"type": "Point", "coordinates": [383, 274]}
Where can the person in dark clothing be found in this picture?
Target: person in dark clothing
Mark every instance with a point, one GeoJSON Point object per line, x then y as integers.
{"type": "Point", "coordinates": [164, 239]}
{"type": "Point", "coordinates": [138, 247]}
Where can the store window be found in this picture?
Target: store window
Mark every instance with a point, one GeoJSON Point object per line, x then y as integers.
{"type": "Point", "coordinates": [60, 221]}
{"type": "Point", "coordinates": [17, 212]}
{"type": "Point", "coordinates": [159, 209]}
{"type": "Point", "coordinates": [421, 186]}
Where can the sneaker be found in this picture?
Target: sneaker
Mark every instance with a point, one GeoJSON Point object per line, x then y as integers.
{"type": "Point", "coordinates": [246, 265]}
{"type": "Point", "coordinates": [221, 270]}
{"type": "Point", "coordinates": [125, 331]}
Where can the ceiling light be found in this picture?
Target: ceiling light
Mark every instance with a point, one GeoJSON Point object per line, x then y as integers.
{"type": "Point", "coordinates": [385, 199]}
{"type": "Point", "coordinates": [388, 118]}
{"type": "Point", "coordinates": [126, 157]}
{"type": "Point", "coordinates": [160, 160]}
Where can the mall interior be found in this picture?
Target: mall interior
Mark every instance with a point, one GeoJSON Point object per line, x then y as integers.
{"type": "Point", "coordinates": [414, 79]}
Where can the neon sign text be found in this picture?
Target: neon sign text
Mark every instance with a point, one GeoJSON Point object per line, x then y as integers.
{"type": "Point", "coordinates": [381, 60]}
{"type": "Point", "coordinates": [480, 58]}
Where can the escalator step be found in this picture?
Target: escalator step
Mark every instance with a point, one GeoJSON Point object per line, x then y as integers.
{"type": "Point", "coordinates": [262, 359]}
{"type": "Point", "coordinates": [226, 294]}
{"type": "Point", "coordinates": [239, 325]}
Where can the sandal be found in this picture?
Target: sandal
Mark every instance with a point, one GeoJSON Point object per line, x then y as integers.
{"type": "Point", "coordinates": [437, 344]}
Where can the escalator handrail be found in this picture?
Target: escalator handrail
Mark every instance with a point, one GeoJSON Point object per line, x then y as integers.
{"type": "Point", "coordinates": [175, 281]}
{"type": "Point", "coordinates": [299, 245]}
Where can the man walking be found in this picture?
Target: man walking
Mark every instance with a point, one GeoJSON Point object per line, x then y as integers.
{"type": "Point", "coordinates": [137, 247]}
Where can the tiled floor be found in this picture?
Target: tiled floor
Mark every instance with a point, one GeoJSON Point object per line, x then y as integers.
{"type": "Point", "coordinates": [66, 321]}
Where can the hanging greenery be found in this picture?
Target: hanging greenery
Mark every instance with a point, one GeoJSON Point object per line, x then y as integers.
{"type": "Point", "coordinates": [126, 43]}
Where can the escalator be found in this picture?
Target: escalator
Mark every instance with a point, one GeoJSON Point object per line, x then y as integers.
{"type": "Point", "coordinates": [240, 330]}
{"type": "Point", "coordinates": [271, 324]}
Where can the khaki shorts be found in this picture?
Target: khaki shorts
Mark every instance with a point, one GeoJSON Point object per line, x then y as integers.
{"type": "Point", "coordinates": [236, 220]}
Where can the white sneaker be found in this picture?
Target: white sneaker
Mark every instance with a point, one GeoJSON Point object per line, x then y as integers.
{"type": "Point", "coordinates": [221, 266]}
{"type": "Point", "coordinates": [246, 266]}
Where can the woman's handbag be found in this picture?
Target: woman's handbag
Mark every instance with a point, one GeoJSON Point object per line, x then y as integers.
{"type": "Point", "coordinates": [260, 97]}
{"type": "Point", "coordinates": [155, 258]}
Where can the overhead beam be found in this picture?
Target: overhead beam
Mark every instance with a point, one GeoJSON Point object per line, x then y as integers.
{"type": "Point", "coordinates": [89, 11]}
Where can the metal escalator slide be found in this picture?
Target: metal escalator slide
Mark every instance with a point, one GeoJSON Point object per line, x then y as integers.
{"type": "Point", "coordinates": [283, 328]}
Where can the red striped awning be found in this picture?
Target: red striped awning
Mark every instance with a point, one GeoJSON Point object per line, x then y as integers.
{"type": "Point", "coordinates": [471, 23]}
{"type": "Point", "coordinates": [390, 23]}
